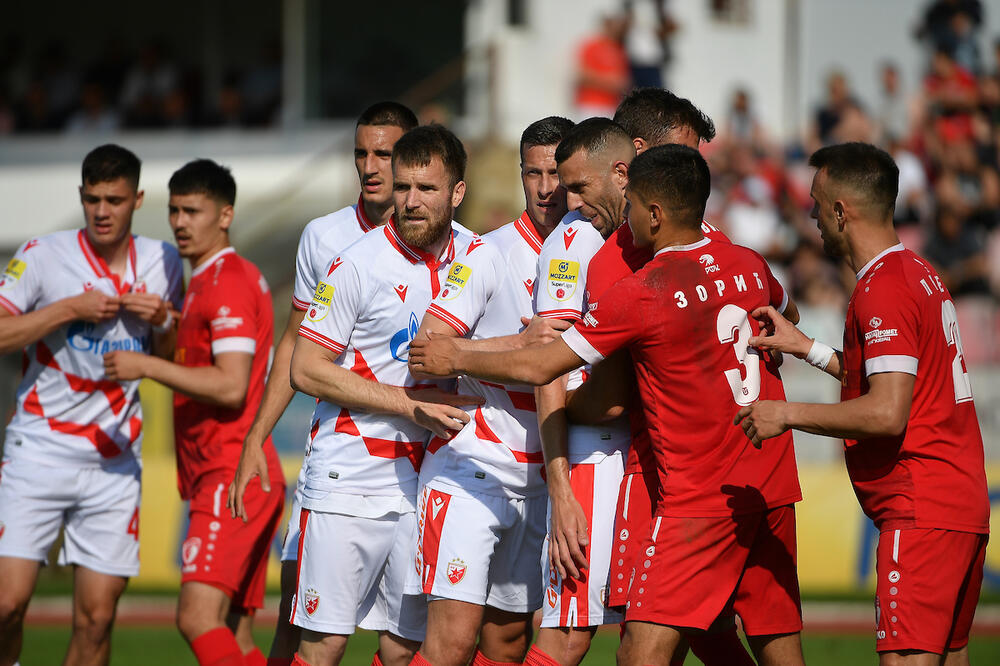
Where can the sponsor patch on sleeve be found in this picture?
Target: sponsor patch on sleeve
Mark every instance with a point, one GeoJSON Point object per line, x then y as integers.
{"type": "Point", "coordinates": [15, 269]}
{"type": "Point", "coordinates": [320, 305]}
{"type": "Point", "coordinates": [458, 277]}
{"type": "Point", "coordinates": [564, 277]}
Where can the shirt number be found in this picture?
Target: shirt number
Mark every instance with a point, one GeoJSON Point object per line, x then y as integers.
{"type": "Point", "coordinates": [959, 373]}
{"type": "Point", "coordinates": [733, 327]}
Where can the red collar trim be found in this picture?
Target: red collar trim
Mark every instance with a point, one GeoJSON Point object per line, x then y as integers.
{"type": "Point", "coordinates": [101, 269]}
{"type": "Point", "coordinates": [363, 221]}
{"type": "Point", "coordinates": [415, 254]}
{"type": "Point", "coordinates": [526, 228]}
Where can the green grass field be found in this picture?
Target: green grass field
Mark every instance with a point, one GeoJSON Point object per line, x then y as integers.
{"type": "Point", "coordinates": [163, 646]}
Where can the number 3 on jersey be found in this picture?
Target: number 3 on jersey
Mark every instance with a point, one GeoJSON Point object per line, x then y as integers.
{"type": "Point", "coordinates": [733, 327]}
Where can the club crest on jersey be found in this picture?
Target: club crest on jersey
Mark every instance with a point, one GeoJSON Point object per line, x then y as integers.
{"type": "Point", "coordinates": [458, 277]}
{"type": "Point", "coordinates": [320, 305]}
{"type": "Point", "coordinates": [139, 287]}
{"type": "Point", "coordinates": [875, 322]}
{"type": "Point", "coordinates": [708, 261]}
{"type": "Point", "coordinates": [311, 599]}
{"type": "Point", "coordinates": [399, 344]}
{"type": "Point", "coordinates": [564, 276]}
{"type": "Point", "coordinates": [13, 272]}
{"type": "Point", "coordinates": [456, 571]}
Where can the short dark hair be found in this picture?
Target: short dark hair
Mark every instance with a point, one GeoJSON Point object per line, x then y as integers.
{"type": "Point", "coordinates": [545, 132]}
{"type": "Point", "coordinates": [591, 135]}
{"type": "Point", "coordinates": [650, 113]}
{"type": "Point", "coordinates": [674, 176]}
{"type": "Point", "coordinates": [869, 171]}
{"type": "Point", "coordinates": [110, 162]}
{"type": "Point", "coordinates": [204, 177]}
{"type": "Point", "coordinates": [389, 113]}
{"type": "Point", "coordinates": [421, 144]}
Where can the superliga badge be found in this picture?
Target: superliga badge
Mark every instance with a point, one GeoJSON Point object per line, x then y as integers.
{"type": "Point", "coordinates": [320, 305]}
{"type": "Point", "coordinates": [457, 278]}
{"type": "Point", "coordinates": [564, 276]}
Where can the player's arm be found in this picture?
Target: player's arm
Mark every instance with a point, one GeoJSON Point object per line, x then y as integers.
{"type": "Point", "coordinates": [605, 394]}
{"type": "Point", "coordinates": [314, 371]}
{"type": "Point", "coordinates": [224, 383]}
{"type": "Point", "coordinates": [537, 331]}
{"type": "Point", "coordinates": [278, 392]}
{"type": "Point", "coordinates": [781, 335]}
{"type": "Point", "coordinates": [20, 330]}
{"type": "Point", "coordinates": [882, 412]}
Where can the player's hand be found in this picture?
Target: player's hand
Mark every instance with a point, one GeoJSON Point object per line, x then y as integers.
{"type": "Point", "coordinates": [148, 307]}
{"type": "Point", "coordinates": [569, 535]}
{"type": "Point", "coordinates": [540, 331]}
{"type": "Point", "coordinates": [95, 306]}
{"type": "Point", "coordinates": [762, 420]}
{"type": "Point", "coordinates": [124, 366]}
{"type": "Point", "coordinates": [780, 335]}
{"type": "Point", "coordinates": [253, 463]}
{"type": "Point", "coordinates": [434, 356]}
{"type": "Point", "coordinates": [438, 411]}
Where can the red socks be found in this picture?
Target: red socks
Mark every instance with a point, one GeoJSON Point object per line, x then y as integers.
{"type": "Point", "coordinates": [254, 658]}
{"type": "Point", "coordinates": [299, 661]}
{"type": "Point", "coordinates": [377, 660]}
{"type": "Point", "coordinates": [418, 660]}
{"type": "Point", "coordinates": [723, 648]}
{"type": "Point", "coordinates": [482, 660]}
{"type": "Point", "coordinates": [217, 647]}
{"type": "Point", "coordinates": [538, 657]}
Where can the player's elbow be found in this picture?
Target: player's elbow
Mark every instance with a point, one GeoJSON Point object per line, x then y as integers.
{"type": "Point", "coordinates": [891, 421]}
{"type": "Point", "coordinates": [232, 397]}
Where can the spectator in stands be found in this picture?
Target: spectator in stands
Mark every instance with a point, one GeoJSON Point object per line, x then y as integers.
{"type": "Point", "coordinates": [647, 41]}
{"type": "Point", "coordinates": [893, 109]}
{"type": "Point", "coordinates": [261, 87]}
{"type": "Point", "coordinates": [970, 189]}
{"type": "Point", "coordinates": [840, 118]}
{"type": "Point", "coordinates": [602, 71]}
{"type": "Point", "coordinates": [742, 125]}
{"type": "Point", "coordinates": [94, 115]}
{"type": "Point", "coordinates": [148, 83]}
{"type": "Point", "coordinates": [958, 253]}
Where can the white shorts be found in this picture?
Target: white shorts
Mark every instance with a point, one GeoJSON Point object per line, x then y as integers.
{"type": "Point", "coordinates": [97, 506]}
{"type": "Point", "coordinates": [352, 573]}
{"type": "Point", "coordinates": [290, 544]}
{"type": "Point", "coordinates": [574, 603]}
{"type": "Point", "coordinates": [482, 549]}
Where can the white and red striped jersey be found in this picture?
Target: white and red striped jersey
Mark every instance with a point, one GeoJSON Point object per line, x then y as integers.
{"type": "Point", "coordinates": [488, 290]}
{"type": "Point", "coordinates": [323, 238]}
{"type": "Point", "coordinates": [367, 308]}
{"type": "Point", "coordinates": [67, 411]}
{"type": "Point", "coordinates": [563, 266]}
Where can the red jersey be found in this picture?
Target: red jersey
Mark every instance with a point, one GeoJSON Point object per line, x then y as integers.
{"type": "Point", "coordinates": [684, 318]}
{"type": "Point", "coordinates": [227, 309]}
{"type": "Point", "coordinates": [901, 319]}
{"type": "Point", "coordinates": [618, 258]}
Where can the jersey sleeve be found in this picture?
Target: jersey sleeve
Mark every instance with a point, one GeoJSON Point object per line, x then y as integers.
{"type": "Point", "coordinates": [562, 274]}
{"type": "Point", "coordinates": [173, 268]}
{"type": "Point", "coordinates": [335, 306]}
{"type": "Point", "coordinates": [472, 280]}
{"type": "Point", "coordinates": [231, 313]}
{"type": "Point", "coordinates": [305, 271]}
{"type": "Point", "coordinates": [888, 321]}
{"type": "Point", "coordinates": [21, 282]}
{"type": "Point", "coordinates": [778, 296]}
{"type": "Point", "coordinates": [611, 325]}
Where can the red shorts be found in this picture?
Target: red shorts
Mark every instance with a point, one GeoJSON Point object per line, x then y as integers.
{"type": "Point", "coordinates": [636, 498]}
{"type": "Point", "coordinates": [927, 590]}
{"type": "Point", "coordinates": [225, 552]}
{"type": "Point", "coordinates": [694, 569]}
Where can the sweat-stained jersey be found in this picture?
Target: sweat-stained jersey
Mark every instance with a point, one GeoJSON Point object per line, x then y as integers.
{"type": "Point", "coordinates": [227, 308]}
{"type": "Point", "coordinates": [366, 309]}
{"type": "Point", "coordinates": [67, 411]}
{"type": "Point", "coordinates": [901, 318]}
{"type": "Point", "coordinates": [685, 319]}
{"type": "Point", "coordinates": [487, 292]}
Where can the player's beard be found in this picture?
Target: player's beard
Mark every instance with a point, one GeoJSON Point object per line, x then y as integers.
{"type": "Point", "coordinates": [426, 234]}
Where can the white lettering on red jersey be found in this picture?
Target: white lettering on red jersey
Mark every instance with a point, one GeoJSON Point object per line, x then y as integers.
{"type": "Point", "coordinates": [489, 289]}
{"type": "Point", "coordinates": [227, 308]}
{"type": "Point", "coordinates": [687, 329]}
{"type": "Point", "coordinates": [901, 318]}
{"type": "Point", "coordinates": [67, 411]}
{"type": "Point", "coordinates": [367, 308]}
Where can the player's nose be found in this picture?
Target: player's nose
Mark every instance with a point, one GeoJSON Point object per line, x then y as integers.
{"type": "Point", "coordinates": [573, 201]}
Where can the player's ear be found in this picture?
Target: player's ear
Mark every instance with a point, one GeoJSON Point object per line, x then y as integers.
{"type": "Point", "coordinates": [138, 199]}
{"type": "Point", "coordinates": [655, 218]}
{"type": "Point", "coordinates": [457, 193]}
{"type": "Point", "coordinates": [620, 173]}
{"type": "Point", "coordinates": [640, 144]}
{"type": "Point", "coordinates": [839, 213]}
{"type": "Point", "coordinates": [226, 217]}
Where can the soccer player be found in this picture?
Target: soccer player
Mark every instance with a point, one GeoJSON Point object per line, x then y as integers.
{"type": "Point", "coordinates": [913, 446]}
{"type": "Point", "coordinates": [223, 346]}
{"type": "Point", "coordinates": [71, 455]}
{"type": "Point", "coordinates": [724, 525]}
{"type": "Point", "coordinates": [358, 523]}
{"type": "Point", "coordinates": [482, 493]}
{"type": "Point", "coordinates": [378, 128]}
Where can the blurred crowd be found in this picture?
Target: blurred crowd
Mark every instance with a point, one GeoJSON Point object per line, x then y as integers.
{"type": "Point", "coordinates": [49, 90]}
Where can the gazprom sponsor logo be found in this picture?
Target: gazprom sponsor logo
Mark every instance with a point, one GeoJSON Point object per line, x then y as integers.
{"type": "Point", "coordinates": [82, 336]}
{"type": "Point", "coordinates": [399, 345]}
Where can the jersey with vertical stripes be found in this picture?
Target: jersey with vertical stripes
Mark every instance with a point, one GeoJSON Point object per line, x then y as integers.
{"type": "Point", "coordinates": [901, 318]}
{"type": "Point", "coordinates": [68, 412]}
{"type": "Point", "coordinates": [488, 290]}
{"type": "Point", "coordinates": [366, 310]}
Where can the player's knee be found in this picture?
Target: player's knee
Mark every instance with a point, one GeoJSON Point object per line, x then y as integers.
{"type": "Point", "coordinates": [446, 652]}
{"type": "Point", "coordinates": [12, 612]}
{"type": "Point", "coordinates": [190, 622]}
{"type": "Point", "coordinates": [93, 623]}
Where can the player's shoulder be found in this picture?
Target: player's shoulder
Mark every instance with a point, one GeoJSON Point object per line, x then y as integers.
{"type": "Point", "coordinates": [462, 230]}
{"type": "Point", "coordinates": [713, 232]}
{"type": "Point", "coordinates": [56, 241]}
{"type": "Point", "coordinates": [573, 234]}
{"type": "Point", "coordinates": [332, 228]}
{"type": "Point", "coordinates": [152, 249]}
{"type": "Point", "coordinates": [893, 270]}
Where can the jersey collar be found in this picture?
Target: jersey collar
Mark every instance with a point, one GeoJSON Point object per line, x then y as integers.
{"type": "Point", "coordinates": [100, 268]}
{"type": "Point", "coordinates": [895, 248]}
{"type": "Point", "coordinates": [211, 260]}
{"type": "Point", "coordinates": [363, 221]}
{"type": "Point", "coordinates": [684, 248]}
{"type": "Point", "coordinates": [526, 228]}
{"type": "Point", "coordinates": [415, 254]}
